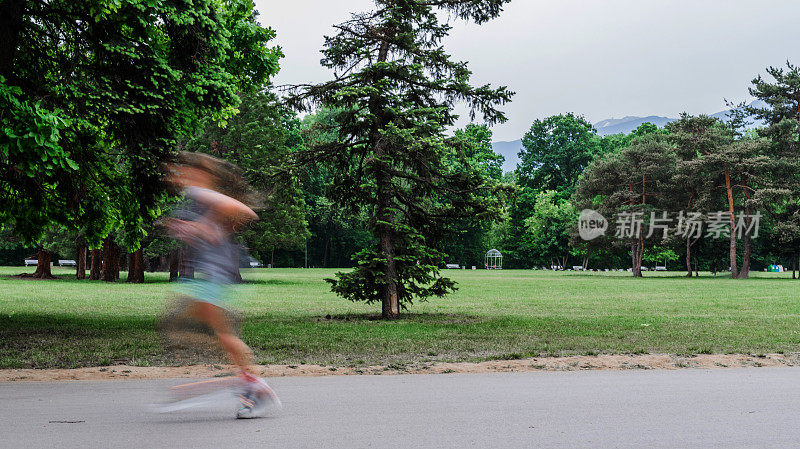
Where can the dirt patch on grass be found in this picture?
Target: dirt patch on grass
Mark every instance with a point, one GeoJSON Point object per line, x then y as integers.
{"type": "Point", "coordinates": [571, 363]}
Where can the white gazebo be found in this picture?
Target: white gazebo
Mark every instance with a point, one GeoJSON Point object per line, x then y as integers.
{"type": "Point", "coordinates": [494, 260]}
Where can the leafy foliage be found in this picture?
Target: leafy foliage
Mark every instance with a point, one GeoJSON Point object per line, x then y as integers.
{"type": "Point", "coordinates": [96, 94]}
{"type": "Point", "coordinates": [260, 140]}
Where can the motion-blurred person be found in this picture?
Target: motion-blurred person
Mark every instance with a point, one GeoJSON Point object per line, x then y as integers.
{"type": "Point", "coordinates": [217, 205]}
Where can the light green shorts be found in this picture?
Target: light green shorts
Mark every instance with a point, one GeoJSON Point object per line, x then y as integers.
{"type": "Point", "coordinates": [205, 291]}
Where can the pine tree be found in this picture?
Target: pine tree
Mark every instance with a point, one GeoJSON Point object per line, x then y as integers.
{"type": "Point", "coordinates": [394, 88]}
{"type": "Point", "coordinates": [781, 118]}
{"type": "Point", "coordinates": [695, 188]}
{"type": "Point", "coordinates": [634, 181]}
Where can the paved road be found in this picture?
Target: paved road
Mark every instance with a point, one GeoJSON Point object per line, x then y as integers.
{"type": "Point", "coordinates": [687, 408]}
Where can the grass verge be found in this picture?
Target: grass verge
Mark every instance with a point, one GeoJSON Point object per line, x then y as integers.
{"type": "Point", "coordinates": [292, 318]}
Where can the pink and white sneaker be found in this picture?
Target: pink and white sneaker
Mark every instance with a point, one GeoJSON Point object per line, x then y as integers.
{"type": "Point", "coordinates": [257, 398]}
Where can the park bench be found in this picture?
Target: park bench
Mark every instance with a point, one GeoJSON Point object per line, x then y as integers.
{"type": "Point", "coordinates": [453, 265]}
{"type": "Point", "coordinates": [67, 263]}
{"type": "Point", "coordinates": [31, 262]}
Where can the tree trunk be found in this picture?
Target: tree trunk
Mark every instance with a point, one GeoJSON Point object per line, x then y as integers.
{"type": "Point", "coordinates": [174, 264]}
{"type": "Point", "coordinates": [110, 271]}
{"type": "Point", "coordinates": [94, 272]}
{"type": "Point", "coordinates": [186, 268]}
{"type": "Point", "coordinates": [325, 253]}
{"type": "Point", "coordinates": [127, 265]}
{"type": "Point", "coordinates": [390, 300]}
{"type": "Point", "coordinates": [80, 269]}
{"type": "Point", "coordinates": [42, 266]}
{"type": "Point", "coordinates": [744, 273]}
{"type": "Point", "coordinates": [637, 251]}
{"type": "Point", "coordinates": [138, 260]}
{"type": "Point", "coordinates": [237, 277]}
{"type": "Point", "coordinates": [729, 188]}
{"type": "Point", "coordinates": [136, 267]}
{"type": "Point", "coordinates": [794, 264]}
{"type": "Point", "coordinates": [688, 258]}
{"type": "Point", "coordinates": [115, 261]}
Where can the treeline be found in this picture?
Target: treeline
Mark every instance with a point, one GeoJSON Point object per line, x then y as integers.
{"type": "Point", "coordinates": [698, 165]}
{"type": "Point", "coordinates": [729, 190]}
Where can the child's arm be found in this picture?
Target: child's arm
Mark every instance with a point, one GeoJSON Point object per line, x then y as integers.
{"type": "Point", "coordinates": [224, 205]}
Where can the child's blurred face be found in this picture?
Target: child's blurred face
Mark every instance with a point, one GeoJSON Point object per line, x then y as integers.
{"type": "Point", "coordinates": [185, 176]}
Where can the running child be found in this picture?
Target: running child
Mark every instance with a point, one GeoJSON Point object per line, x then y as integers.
{"type": "Point", "coordinates": [217, 205]}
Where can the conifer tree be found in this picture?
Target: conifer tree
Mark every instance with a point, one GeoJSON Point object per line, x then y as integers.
{"type": "Point", "coordinates": [395, 88]}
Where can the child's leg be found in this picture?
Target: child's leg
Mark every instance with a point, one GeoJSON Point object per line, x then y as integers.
{"type": "Point", "coordinates": [237, 350]}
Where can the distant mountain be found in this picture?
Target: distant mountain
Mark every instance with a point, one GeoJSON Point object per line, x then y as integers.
{"type": "Point", "coordinates": [723, 115]}
{"type": "Point", "coordinates": [627, 124]}
{"type": "Point", "coordinates": [510, 150]}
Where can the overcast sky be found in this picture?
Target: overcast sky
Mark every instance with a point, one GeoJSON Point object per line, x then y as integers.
{"type": "Point", "coordinates": [598, 58]}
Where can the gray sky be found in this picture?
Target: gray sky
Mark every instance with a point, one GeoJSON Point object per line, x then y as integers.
{"type": "Point", "coordinates": [598, 58]}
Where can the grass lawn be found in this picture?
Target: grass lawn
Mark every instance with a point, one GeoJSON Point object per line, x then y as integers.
{"type": "Point", "coordinates": [494, 315]}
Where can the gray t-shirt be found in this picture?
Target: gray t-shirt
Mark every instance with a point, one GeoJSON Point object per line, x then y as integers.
{"type": "Point", "coordinates": [216, 262]}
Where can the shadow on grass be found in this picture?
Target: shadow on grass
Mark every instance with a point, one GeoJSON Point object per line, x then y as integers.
{"type": "Point", "coordinates": [71, 279]}
{"type": "Point", "coordinates": [63, 341]}
{"type": "Point", "coordinates": [271, 282]}
{"type": "Point", "coordinates": [408, 317]}
{"type": "Point", "coordinates": [66, 325]}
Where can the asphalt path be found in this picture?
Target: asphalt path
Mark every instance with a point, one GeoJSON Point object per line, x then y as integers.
{"type": "Point", "coordinates": [753, 407]}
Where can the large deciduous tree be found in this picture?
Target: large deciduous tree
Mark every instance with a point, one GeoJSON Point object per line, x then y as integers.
{"type": "Point", "coordinates": [395, 87]}
{"type": "Point", "coordinates": [549, 228]}
{"type": "Point", "coordinates": [95, 95]}
{"type": "Point", "coordinates": [556, 150]}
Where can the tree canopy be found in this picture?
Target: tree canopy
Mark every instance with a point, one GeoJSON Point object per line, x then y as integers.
{"type": "Point", "coordinates": [96, 95]}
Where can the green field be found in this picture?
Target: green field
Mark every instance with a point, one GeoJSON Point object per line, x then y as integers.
{"type": "Point", "coordinates": [494, 315]}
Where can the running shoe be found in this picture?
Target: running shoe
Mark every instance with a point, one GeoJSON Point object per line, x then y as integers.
{"type": "Point", "coordinates": [257, 399]}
